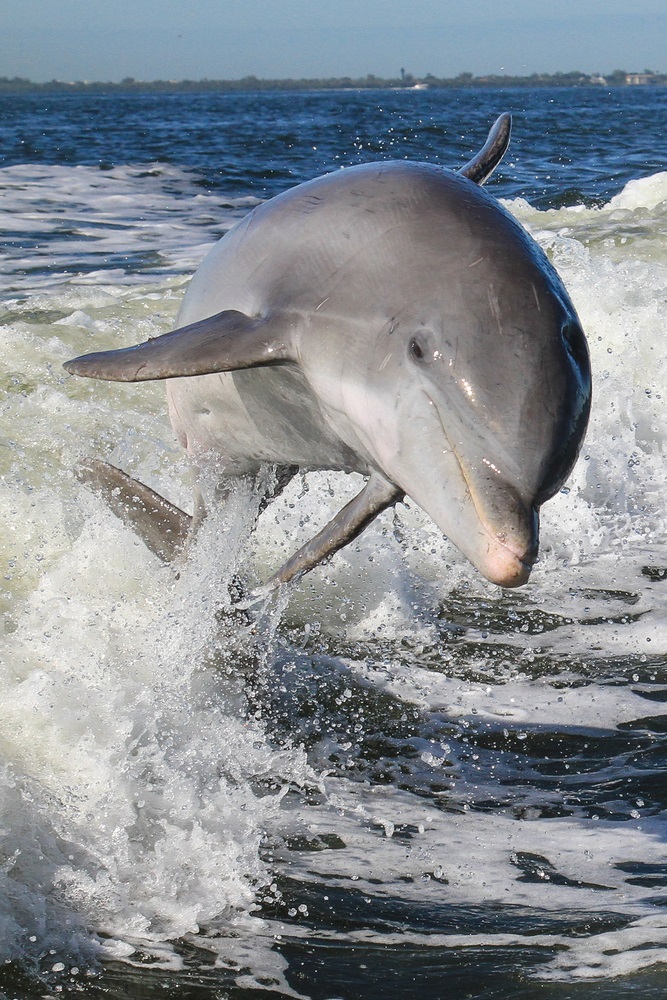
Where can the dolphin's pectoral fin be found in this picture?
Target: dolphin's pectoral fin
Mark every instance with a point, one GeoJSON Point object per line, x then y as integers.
{"type": "Point", "coordinates": [162, 526]}
{"type": "Point", "coordinates": [228, 341]}
{"type": "Point", "coordinates": [482, 165]}
{"type": "Point", "coordinates": [376, 496]}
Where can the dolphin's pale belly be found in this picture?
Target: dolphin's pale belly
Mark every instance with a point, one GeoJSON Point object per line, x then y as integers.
{"type": "Point", "coordinates": [250, 417]}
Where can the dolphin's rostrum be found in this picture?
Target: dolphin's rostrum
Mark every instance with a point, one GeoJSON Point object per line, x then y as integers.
{"type": "Point", "coordinates": [391, 319]}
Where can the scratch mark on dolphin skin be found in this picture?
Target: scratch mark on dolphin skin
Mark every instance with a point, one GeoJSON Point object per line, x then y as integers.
{"type": "Point", "coordinates": [258, 266]}
{"type": "Point", "coordinates": [494, 306]}
{"type": "Point", "coordinates": [476, 262]}
{"type": "Point", "coordinates": [309, 204]}
{"type": "Point", "coordinates": [535, 296]}
{"type": "Point", "coordinates": [386, 361]}
{"type": "Point", "coordinates": [340, 273]}
{"type": "Point", "coordinates": [322, 303]}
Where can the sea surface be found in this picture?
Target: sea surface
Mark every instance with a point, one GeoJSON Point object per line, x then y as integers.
{"type": "Point", "coordinates": [396, 780]}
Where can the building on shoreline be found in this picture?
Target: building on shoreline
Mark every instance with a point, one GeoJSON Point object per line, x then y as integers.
{"type": "Point", "coordinates": [639, 79]}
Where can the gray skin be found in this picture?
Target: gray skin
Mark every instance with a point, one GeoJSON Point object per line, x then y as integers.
{"type": "Point", "coordinates": [390, 319]}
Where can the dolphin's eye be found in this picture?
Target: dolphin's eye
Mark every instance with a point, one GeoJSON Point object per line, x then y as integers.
{"type": "Point", "coordinates": [420, 349]}
{"type": "Point", "coordinates": [416, 349]}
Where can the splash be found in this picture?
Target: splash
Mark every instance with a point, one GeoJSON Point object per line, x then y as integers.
{"type": "Point", "coordinates": [137, 788]}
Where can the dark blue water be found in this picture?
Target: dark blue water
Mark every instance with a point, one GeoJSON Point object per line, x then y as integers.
{"type": "Point", "coordinates": [570, 145]}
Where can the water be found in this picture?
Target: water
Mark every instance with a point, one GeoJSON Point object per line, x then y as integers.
{"type": "Point", "coordinates": [399, 780]}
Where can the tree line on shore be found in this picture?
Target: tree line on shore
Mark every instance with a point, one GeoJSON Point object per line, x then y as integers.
{"type": "Point", "coordinates": [618, 77]}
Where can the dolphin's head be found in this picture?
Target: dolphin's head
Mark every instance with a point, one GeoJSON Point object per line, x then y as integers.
{"type": "Point", "coordinates": [474, 396]}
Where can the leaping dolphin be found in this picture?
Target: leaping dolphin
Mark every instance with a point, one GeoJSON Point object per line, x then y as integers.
{"type": "Point", "coordinates": [390, 319]}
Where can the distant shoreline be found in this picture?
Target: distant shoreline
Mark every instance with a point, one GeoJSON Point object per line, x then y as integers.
{"type": "Point", "coordinates": [250, 84]}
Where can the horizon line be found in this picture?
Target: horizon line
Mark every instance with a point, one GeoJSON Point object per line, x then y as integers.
{"type": "Point", "coordinates": [369, 80]}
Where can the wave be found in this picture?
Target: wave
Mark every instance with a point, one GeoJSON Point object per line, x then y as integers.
{"type": "Point", "coordinates": [63, 224]}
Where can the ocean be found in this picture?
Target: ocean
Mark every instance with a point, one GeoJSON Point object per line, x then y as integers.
{"type": "Point", "coordinates": [395, 780]}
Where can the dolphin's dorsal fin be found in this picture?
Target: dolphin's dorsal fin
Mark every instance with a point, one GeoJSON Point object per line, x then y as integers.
{"type": "Point", "coordinates": [228, 341]}
{"type": "Point", "coordinates": [482, 165]}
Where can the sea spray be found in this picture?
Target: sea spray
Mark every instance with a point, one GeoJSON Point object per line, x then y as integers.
{"type": "Point", "coordinates": [145, 788]}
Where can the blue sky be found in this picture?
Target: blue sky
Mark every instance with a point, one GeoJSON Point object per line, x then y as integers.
{"type": "Point", "coordinates": [175, 39]}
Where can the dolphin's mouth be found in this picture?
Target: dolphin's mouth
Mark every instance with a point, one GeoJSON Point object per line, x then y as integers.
{"type": "Point", "coordinates": [505, 562]}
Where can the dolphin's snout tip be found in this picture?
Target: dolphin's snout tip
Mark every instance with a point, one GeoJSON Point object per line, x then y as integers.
{"type": "Point", "coordinates": [509, 567]}
{"type": "Point", "coordinates": [514, 574]}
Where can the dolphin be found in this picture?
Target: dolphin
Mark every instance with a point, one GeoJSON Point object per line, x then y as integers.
{"type": "Point", "coordinates": [390, 319]}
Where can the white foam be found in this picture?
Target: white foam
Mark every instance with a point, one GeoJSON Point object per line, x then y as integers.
{"type": "Point", "coordinates": [137, 791]}
{"type": "Point", "coordinates": [643, 193]}
{"type": "Point", "coordinates": [67, 219]}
